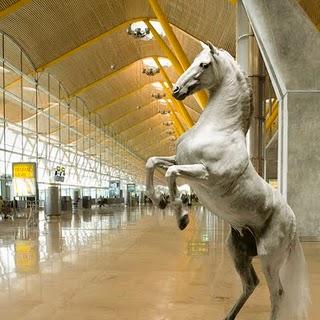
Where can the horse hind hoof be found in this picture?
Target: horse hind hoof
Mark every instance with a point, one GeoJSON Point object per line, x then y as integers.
{"type": "Point", "coordinates": [162, 203]}
{"type": "Point", "coordinates": [183, 222]}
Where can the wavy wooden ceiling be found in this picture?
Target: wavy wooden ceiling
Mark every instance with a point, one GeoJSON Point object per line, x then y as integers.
{"type": "Point", "coordinates": [48, 29]}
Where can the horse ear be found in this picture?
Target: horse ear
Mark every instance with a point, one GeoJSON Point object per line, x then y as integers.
{"type": "Point", "coordinates": [213, 49]}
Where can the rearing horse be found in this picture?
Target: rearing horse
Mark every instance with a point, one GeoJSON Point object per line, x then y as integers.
{"type": "Point", "coordinates": [212, 156]}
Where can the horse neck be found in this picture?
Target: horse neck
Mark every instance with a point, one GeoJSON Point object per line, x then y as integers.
{"type": "Point", "coordinates": [229, 104]}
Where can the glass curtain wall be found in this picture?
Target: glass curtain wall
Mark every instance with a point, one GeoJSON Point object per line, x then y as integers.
{"type": "Point", "coordinates": [39, 123]}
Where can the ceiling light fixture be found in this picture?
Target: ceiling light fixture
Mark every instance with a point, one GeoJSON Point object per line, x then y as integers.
{"type": "Point", "coordinates": [167, 123]}
{"type": "Point", "coordinates": [158, 95]}
{"type": "Point", "coordinates": [164, 112]}
{"type": "Point", "coordinates": [150, 71]}
{"type": "Point", "coordinates": [139, 30]}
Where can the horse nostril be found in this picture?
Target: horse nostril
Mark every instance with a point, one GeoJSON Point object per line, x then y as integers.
{"type": "Point", "coordinates": [176, 89]}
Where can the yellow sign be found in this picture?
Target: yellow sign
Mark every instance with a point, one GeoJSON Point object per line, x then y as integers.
{"type": "Point", "coordinates": [24, 179]}
{"type": "Point", "coordinates": [198, 248]}
{"type": "Point", "coordinates": [26, 256]}
{"type": "Point", "coordinates": [23, 170]}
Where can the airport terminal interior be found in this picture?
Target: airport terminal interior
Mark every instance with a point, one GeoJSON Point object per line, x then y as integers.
{"type": "Point", "coordinates": [89, 93]}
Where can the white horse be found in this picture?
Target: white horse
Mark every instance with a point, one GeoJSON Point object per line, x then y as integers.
{"type": "Point", "coordinates": [212, 156]}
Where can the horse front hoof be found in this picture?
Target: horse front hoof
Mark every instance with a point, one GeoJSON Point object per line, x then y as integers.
{"type": "Point", "coordinates": [183, 222]}
{"type": "Point", "coordinates": [162, 203]}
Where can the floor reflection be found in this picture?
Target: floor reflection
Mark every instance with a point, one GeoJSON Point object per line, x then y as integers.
{"type": "Point", "coordinates": [24, 248]}
{"type": "Point", "coordinates": [121, 263]}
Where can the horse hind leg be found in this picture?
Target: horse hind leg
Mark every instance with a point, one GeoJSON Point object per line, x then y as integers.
{"type": "Point", "coordinates": [271, 268]}
{"type": "Point", "coordinates": [242, 249]}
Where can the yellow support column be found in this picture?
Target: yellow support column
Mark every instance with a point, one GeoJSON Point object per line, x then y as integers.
{"type": "Point", "coordinates": [180, 106]}
{"type": "Point", "coordinates": [165, 49]}
{"type": "Point", "coordinates": [201, 96]}
{"type": "Point", "coordinates": [274, 114]}
{"type": "Point", "coordinates": [176, 121]}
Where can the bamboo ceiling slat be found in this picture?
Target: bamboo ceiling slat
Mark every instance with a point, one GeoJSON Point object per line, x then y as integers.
{"type": "Point", "coordinates": [131, 132]}
{"type": "Point", "coordinates": [143, 138]}
{"type": "Point", "coordinates": [126, 81]}
{"type": "Point", "coordinates": [51, 27]}
{"type": "Point", "coordinates": [137, 116]}
{"type": "Point", "coordinates": [95, 62]}
{"type": "Point", "coordinates": [4, 4]}
{"type": "Point", "coordinates": [140, 98]}
{"type": "Point", "coordinates": [204, 19]}
{"type": "Point", "coordinates": [48, 29]}
{"type": "Point", "coordinates": [312, 9]}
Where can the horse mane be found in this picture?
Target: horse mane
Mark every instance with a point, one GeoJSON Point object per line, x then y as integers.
{"type": "Point", "coordinates": [246, 94]}
{"type": "Point", "coordinates": [250, 102]}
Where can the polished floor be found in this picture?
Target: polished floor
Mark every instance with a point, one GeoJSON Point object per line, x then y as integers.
{"type": "Point", "coordinates": [120, 264]}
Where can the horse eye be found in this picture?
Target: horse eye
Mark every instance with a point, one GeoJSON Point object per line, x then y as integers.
{"type": "Point", "coordinates": [204, 65]}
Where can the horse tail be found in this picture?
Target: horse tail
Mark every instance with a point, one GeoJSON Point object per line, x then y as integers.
{"type": "Point", "coordinates": [294, 279]}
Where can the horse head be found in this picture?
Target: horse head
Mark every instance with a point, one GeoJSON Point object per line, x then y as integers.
{"type": "Point", "coordinates": [203, 73]}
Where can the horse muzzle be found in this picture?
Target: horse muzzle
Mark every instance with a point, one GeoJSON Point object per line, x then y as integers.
{"type": "Point", "coordinates": [180, 96]}
{"type": "Point", "coordinates": [181, 93]}
{"type": "Point", "coordinates": [178, 93]}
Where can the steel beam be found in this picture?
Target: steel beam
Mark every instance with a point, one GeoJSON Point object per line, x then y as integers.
{"type": "Point", "coordinates": [201, 96]}
{"type": "Point", "coordinates": [165, 48]}
{"type": "Point", "coordinates": [179, 53]}
{"type": "Point", "coordinates": [179, 104]}
{"type": "Point", "coordinates": [274, 114]}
